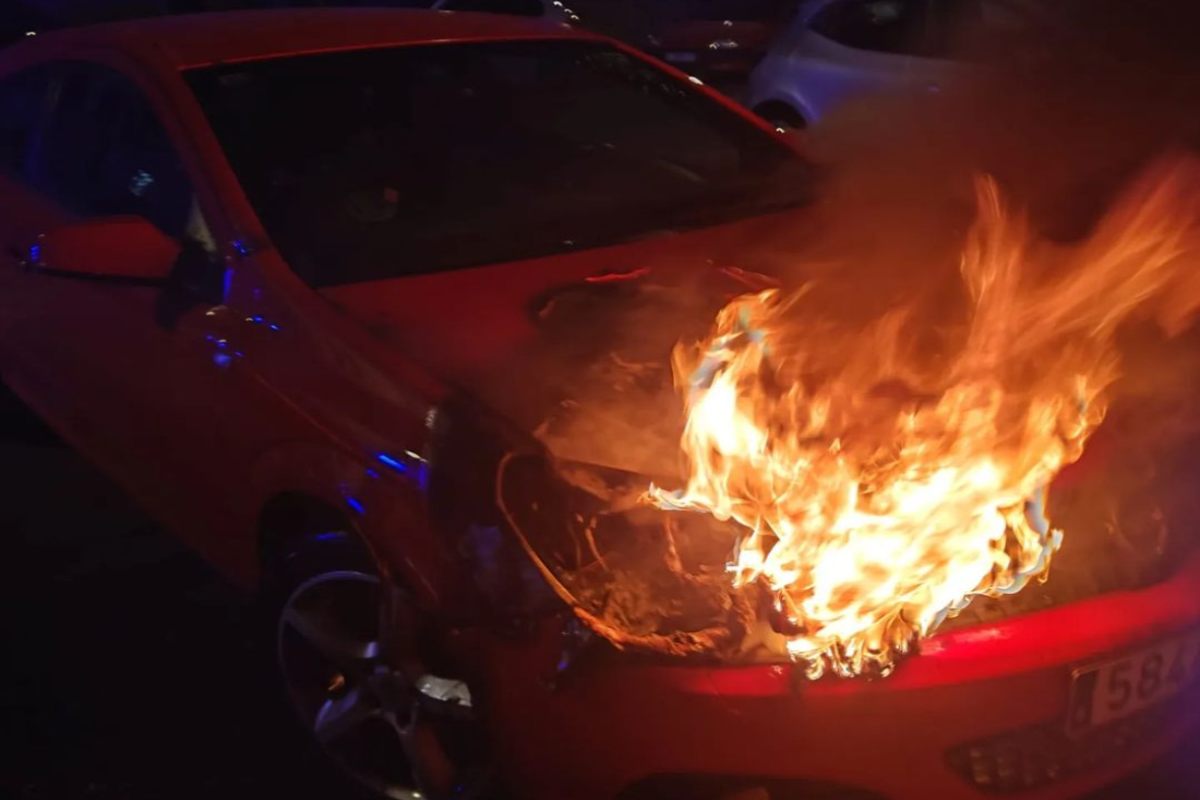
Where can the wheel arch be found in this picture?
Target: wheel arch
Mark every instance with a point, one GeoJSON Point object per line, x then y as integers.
{"type": "Point", "coordinates": [292, 515]}
{"type": "Point", "coordinates": [306, 488]}
{"type": "Point", "coordinates": [782, 109]}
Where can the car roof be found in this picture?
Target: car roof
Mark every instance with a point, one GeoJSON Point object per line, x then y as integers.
{"type": "Point", "coordinates": [191, 40]}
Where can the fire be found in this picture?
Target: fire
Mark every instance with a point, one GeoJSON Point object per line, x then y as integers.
{"type": "Point", "coordinates": [881, 476]}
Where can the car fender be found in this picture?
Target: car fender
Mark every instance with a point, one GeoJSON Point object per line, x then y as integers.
{"type": "Point", "coordinates": [769, 83]}
{"type": "Point", "coordinates": [386, 510]}
{"type": "Point", "coordinates": [792, 101]}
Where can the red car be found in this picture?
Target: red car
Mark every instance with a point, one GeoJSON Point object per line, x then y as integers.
{"type": "Point", "coordinates": [270, 270]}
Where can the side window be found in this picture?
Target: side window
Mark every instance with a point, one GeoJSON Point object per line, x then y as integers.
{"type": "Point", "coordinates": [883, 26]}
{"type": "Point", "coordinates": [22, 102]}
{"type": "Point", "coordinates": [520, 8]}
{"type": "Point", "coordinates": [104, 152]}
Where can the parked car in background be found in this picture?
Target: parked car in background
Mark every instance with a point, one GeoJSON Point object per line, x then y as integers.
{"type": "Point", "coordinates": [836, 51]}
{"type": "Point", "coordinates": [715, 40]}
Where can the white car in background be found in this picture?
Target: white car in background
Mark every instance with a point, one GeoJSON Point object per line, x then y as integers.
{"type": "Point", "coordinates": [834, 51]}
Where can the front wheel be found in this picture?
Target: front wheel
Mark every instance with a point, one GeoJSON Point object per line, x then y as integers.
{"type": "Point", "coordinates": [346, 649]}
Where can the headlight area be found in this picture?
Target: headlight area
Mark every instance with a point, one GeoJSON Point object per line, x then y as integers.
{"type": "Point", "coordinates": [506, 592]}
{"type": "Point", "coordinates": [540, 537]}
{"type": "Point", "coordinates": [647, 581]}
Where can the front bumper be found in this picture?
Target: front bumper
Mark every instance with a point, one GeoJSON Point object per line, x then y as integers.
{"type": "Point", "coordinates": [976, 714]}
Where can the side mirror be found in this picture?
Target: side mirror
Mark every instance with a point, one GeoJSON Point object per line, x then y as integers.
{"type": "Point", "coordinates": [126, 248]}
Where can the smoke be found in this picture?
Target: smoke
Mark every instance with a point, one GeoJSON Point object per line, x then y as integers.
{"type": "Point", "coordinates": [1081, 103]}
{"type": "Point", "coordinates": [1069, 107]}
{"type": "Point", "coordinates": [1061, 108]}
{"type": "Point", "coordinates": [1074, 110]}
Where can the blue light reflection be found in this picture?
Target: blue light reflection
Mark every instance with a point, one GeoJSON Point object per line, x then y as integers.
{"type": "Point", "coordinates": [392, 463]}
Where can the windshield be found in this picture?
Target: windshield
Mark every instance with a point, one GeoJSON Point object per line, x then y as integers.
{"type": "Point", "coordinates": [374, 164]}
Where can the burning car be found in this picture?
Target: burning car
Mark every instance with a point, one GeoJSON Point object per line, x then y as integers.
{"type": "Point", "coordinates": [376, 310]}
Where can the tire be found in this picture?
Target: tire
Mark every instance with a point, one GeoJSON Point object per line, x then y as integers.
{"type": "Point", "coordinates": [345, 649]}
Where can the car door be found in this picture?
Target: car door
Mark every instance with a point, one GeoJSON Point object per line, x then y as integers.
{"type": "Point", "coordinates": [850, 49]}
{"type": "Point", "coordinates": [25, 101]}
{"type": "Point", "coordinates": [130, 373]}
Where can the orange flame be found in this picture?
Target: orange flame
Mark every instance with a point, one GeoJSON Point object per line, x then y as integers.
{"type": "Point", "coordinates": [882, 483]}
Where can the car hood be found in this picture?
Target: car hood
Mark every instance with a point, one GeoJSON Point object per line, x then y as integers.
{"type": "Point", "coordinates": [575, 350]}
{"type": "Point", "coordinates": [531, 338]}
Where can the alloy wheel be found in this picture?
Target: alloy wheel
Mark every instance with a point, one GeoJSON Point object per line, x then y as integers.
{"type": "Point", "coordinates": [397, 730]}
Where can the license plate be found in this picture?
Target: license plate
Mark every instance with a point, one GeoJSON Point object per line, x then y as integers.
{"type": "Point", "coordinates": [1108, 691]}
{"type": "Point", "coordinates": [680, 57]}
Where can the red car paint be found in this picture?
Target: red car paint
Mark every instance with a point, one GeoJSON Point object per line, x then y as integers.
{"type": "Point", "coordinates": [129, 246]}
{"type": "Point", "coordinates": [283, 389]}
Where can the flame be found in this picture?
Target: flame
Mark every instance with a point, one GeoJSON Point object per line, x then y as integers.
{"type": "Point", "coordinates": [881, 481]}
